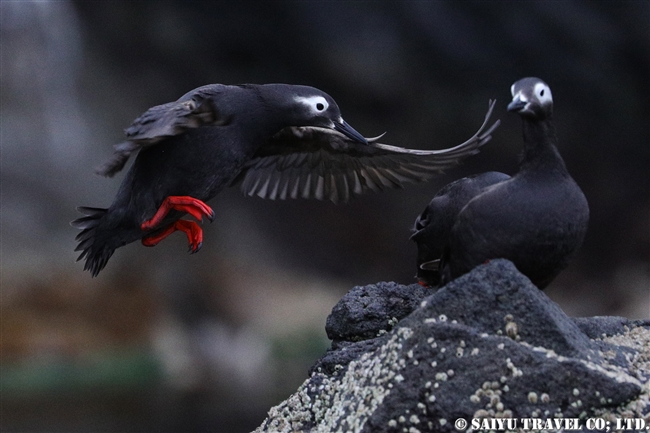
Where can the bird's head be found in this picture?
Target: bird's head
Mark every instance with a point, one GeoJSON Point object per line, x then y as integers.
{"type": "Point", "coordinates": [312, 107]}
{"type": "Point", "coordinates": [531, 98]}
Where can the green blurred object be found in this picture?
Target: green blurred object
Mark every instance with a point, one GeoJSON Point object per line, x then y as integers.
{"type": "Point", "coordinates": [116, 370]}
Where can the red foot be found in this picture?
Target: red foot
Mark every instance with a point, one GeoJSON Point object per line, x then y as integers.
{"type": "Point", "coordinates": [190, 228]}
{"type": "Point", "coordinates": [192, 206]}
{"type": "Point", "coordinates": [423, 284]}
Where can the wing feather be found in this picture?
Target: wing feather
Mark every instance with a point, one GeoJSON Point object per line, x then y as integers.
{"type": "Point", "coordinates": [192, 110]}
{"type": "Point", "coordinates": [323, 164]}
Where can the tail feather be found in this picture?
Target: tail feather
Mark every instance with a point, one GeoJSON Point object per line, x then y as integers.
{"type": "Point", "coordinates": [92, 249]}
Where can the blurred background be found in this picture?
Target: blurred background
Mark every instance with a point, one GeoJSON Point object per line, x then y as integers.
{"type": "Point", "coordinates": [164, 341]}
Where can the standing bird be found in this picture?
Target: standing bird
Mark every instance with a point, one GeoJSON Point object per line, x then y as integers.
{"type": "Point", "coordinates": [537, 218]}
{"type": "Point", "coordinates": [277, 140]}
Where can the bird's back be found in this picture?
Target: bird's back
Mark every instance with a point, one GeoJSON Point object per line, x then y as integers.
{"type": "Point", "coordinates": [538, 225]}
{"type": "Point", "coordinates": [433, 226]}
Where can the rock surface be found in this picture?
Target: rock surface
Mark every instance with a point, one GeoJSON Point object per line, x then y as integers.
{"type": "Point", "coordinates": [487, 345]}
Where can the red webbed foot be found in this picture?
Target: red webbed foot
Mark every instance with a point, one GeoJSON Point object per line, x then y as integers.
{"type": "Point", "coordinates": [191, 205]}
{"type": "Point", "coordinates": [191, 229]}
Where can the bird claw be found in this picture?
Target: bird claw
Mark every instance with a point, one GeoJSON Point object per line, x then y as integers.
{"type": "Point", "coordinates": [191, 229]}
{"type": "Point", "coordinates": [194, 247]}
{"type": "Point", "coordinates": [190, 205]}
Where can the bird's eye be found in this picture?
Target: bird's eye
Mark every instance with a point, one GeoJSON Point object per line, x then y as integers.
{"type": "Point", "coordinates": [315, 104]}
{"type": "Point", "coordinates": [543, 92]}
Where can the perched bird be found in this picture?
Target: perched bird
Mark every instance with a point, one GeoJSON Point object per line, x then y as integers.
{"type": "Point", "coordinates": [276, 140]}
{"type": "Point", "coordinates": [433, 226]}
{"type": "Point", "coordinates": [537, 218]}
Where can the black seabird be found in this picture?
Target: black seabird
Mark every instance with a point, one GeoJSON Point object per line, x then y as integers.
{"type": "Point", "coordinates": [433, 226]}
{"type": "Point", "coordinates": [537, 218]}
{"type": "Point", "coordinates": [277, 140]}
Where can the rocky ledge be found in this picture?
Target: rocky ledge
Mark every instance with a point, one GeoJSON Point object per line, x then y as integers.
{"type": "Point", "coordinates": [488, 345]}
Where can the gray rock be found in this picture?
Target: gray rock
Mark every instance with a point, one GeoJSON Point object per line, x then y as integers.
{"type": "Point", "coordinates": [606, 326]}
{"type": "Point", "coordinates": [367, 310]}
{"type": "Point", "coordinates": [363, 313]}
{"type": "Point", "coordinates": [489, 344]}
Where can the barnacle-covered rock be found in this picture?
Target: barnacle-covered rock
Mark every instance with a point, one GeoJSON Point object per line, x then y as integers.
{"type": "Point", "coordinates": [488, 345]}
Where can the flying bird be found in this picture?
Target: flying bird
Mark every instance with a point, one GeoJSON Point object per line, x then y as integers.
{"type": "Point", "coordinates": [277, 141]}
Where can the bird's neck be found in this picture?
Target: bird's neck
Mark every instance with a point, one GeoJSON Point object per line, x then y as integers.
{"type": "Point", "coordinates": [540, 151]}
{"type": "Point", "coordinates": [258, 126]}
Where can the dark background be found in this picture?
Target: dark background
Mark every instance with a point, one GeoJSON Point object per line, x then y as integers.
{"type": "Point", "coordinates": [165, 341]}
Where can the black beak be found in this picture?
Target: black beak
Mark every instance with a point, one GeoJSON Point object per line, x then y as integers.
{"type": "Point", "coordinates": [349, 131]}
{"type": "Point", "coordinates": [516, 105]}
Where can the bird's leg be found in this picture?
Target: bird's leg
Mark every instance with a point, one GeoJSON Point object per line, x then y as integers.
{"type": "Point", "coordinates": [190, 228]}
{"type": "Point", "coordinates": [191, 205]}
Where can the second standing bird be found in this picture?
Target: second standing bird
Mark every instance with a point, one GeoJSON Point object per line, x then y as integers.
{"type": "Point", "coordinates": [537, 218]}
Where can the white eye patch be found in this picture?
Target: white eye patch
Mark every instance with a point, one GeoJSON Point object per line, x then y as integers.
{"type": "Point", "coordinates": [317, 104]}
{"type": "Point", "coordinates": [543, 93]}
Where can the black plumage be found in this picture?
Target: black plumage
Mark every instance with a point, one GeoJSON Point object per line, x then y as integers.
{"type": "Point", "coordinates": [276, 140]}
{"type": "Point", "coordinates": [537, 218]}
{"type": "Point", "coordinates": [433, 226]}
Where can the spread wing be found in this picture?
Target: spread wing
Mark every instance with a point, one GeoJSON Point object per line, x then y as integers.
{"type": "Point", "coordinates": [192, 110]}
{"type": "Point", "coordinates": [319, 163]}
